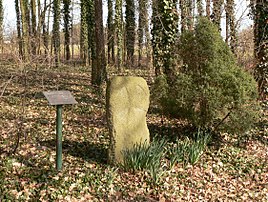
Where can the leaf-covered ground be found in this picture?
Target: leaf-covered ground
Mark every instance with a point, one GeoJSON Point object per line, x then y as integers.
{"type": "Point", "coordinates": [236, 170]}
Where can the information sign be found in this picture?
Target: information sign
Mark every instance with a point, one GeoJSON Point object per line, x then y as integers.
{"type": "Point", "coordinates": [60, 97]}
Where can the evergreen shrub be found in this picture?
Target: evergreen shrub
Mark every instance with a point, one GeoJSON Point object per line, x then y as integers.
{"type": "Point", "coordinates": [210, 90]}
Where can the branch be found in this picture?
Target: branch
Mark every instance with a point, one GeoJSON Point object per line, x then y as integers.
{"type": "Point", "coordinates": [227, 115]}
{"type": "Point", "coordinates": [5, 86]}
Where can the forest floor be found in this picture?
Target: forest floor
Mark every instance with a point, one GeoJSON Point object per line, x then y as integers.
{"type": "Point", "coordinates": [235, 170]}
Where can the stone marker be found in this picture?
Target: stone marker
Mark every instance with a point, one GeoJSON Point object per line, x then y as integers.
{"type": "Point", "coordinates": [127, 100]}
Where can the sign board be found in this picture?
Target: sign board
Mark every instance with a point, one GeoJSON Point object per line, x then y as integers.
{"type": "Point", "coordinates": [59, 97]}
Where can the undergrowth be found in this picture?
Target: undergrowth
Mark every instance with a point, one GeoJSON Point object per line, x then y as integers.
{"type": "Point", "coordinates": [230, 172]}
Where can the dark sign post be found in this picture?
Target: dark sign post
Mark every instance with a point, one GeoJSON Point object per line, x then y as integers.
{"type": "Point", "coordinates": [59, 98]}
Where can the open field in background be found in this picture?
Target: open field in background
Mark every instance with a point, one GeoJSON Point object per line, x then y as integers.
{"type": "Point", "coordinates": [236, 170]}
{"type": "Point", "coordinates": [10, 55]}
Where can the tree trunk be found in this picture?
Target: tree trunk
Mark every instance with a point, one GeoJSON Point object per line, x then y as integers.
{"type": "Point", "coordinates": [19, 27]}
{"type": "Point", "coordinates": [170, 18]}
{"type": "Point", "coordinates": [130, 31]}
{"type": "Point", "coordinates": [189, 15]}
{"type": "Point", "coordinates": [143, 32]}
{"type": "Point", "coordinates": [100, 46]}
{"type": "Point", "coordinates": [91, 38]}
{"type": "Point", "coordinates": [147, 33]}
{"type": "Point", "coordinates": [56, 31]}
{"type": "Point", "coordinates": [46, 30]}
{"type": "Point", "coordinates": [66, 19]}
{"type": "Point", "coordinates": [164, 34]}
{"type": "Point", "coordinates": [72, 31]}
{"type": "Point", "coordinates": [1, 26]}
{"type": "Point", "coordinates": [25, 29]}
{"type": "Point", "coordinates": [157, 37]}
{"type": "Point", "coordinates": [119, 32]}
{"type": "Point", "coordinates": [200, 9]}
{"type": "Point", "coordinates": [39, 25]}
{"type": "Point", "coordinates": [110, 37]}
{"type": "Point", "coordinates": [261, 40]}
{"type": "Point", "coordinates": [231, 38]}
{"type": "Point", "coordinates": [227, 30]}
{"type": "Point", "coordinates": [84, 34]}
{"type": "Point", "coordinates": [34, 39]}
{"type": "Point", "coordinates": [217, 5]}
{"type": "Point", "coordinates": [141, 29]}
{"type": "Point", "coordinates": [208, 8]}
{"type": "Point", "coordinates": [183, 9]}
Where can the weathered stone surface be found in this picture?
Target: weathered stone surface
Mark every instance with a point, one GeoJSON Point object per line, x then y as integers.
{"type": "Point", "coordinates": [127, 105]}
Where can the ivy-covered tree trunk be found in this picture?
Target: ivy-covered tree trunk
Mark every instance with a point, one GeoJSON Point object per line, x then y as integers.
{"type": "Point", "coordinates": [200, 9]}
{"type": "Point", "coordinates": [230, 25]}
{"type": "Point", "coordinates": [170, 18]}
{"type": "Point", "coordinates": [100, 67]}
{"type": "Point", "coordinates": [157, 36]}
{"type": "Point", "coordinates": [17, 8]}
{"type": "Point", "coordinates": [84, 33]}
{"type": "Point", "coordinates": [25, 29]}
{"type": "Point", "coordinates": [164, 32]}
{"type": "Point", "coordinates": [119, 32]}
{"type": "Point", "coordinates": [130, 31]}
{"type": "Point", "coordinates": [110, 33]}
{"type": "Point", "coordinates": [208, 8]}
{"type": "Point", "coordinates": [217, 5]}
{"type": "Point", "coordinates": [190, 14]}
{"type": "Point", "coordinates": [56, 31]}
{"type": "Point", "coordinates": [183, 9]}
{"type": "Point", "coordinates": [91, 39]}
{"type": "Point", "coordinates": [260, 11]}
{"type": "Point", "coordinates": [66, 19]}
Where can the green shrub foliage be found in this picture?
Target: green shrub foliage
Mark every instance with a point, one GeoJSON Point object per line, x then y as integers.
{"type": "Point", "coordinates": [210, 90]}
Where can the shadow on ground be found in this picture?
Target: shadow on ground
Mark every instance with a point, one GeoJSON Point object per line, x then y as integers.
{"type": "Point", "coordinates": [170, 132]}
{"type": "Point", "coordinates": [262, 134]}
{"type": "Point", "coordinates": [87, 151]}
